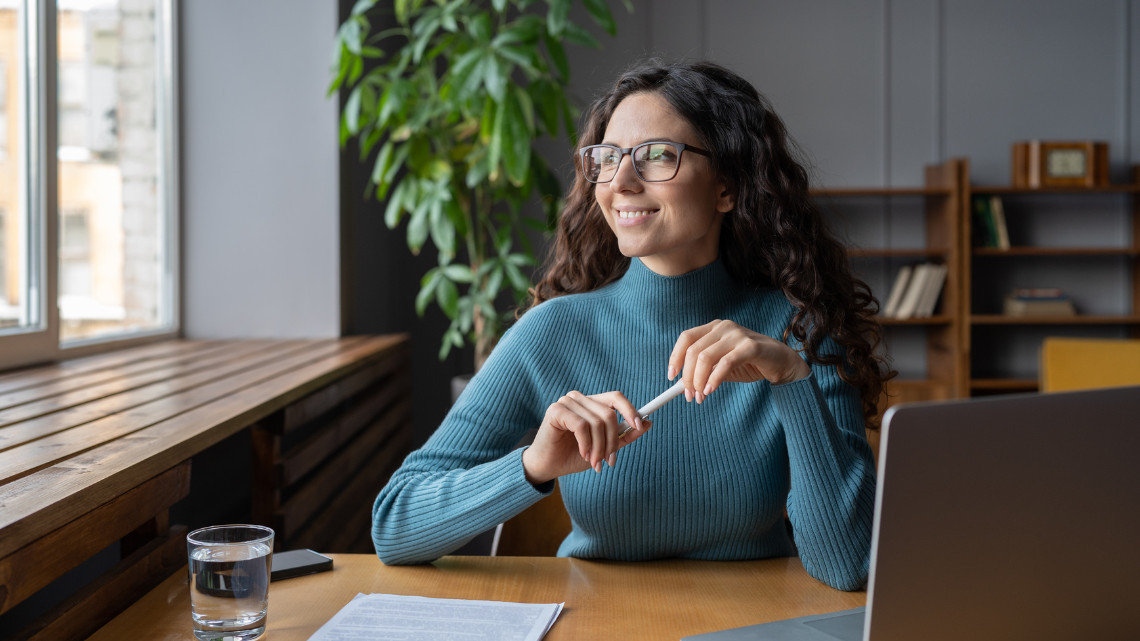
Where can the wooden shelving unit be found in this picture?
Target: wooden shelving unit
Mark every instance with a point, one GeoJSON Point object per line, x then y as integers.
{"type": "Point", "coordinates": [945, 372]}
{"type": "Point", "coordinates": [1114, 263]}
{"type": "Point", "coordinates": [968, 347]}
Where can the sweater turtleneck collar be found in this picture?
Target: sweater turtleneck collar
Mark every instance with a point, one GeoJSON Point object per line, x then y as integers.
{"type": "Point", "coordinates": [699, 291]}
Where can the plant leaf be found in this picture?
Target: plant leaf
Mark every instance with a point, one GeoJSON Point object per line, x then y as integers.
{"type": "Point", "coordinates": [418, 224]}
{"type": "Point", "coordinates": [496, 73]}
{"type": "Point", "coordinates": [545, 95]}
{"type": "Point", "coordinates": [403, 7]}
{"type": "Point", "coordinates": [494, 283]}
{"type": "Point", "coordinates": [519, 282]}
{"type": "Point", "coordinates": [395, 209]}
{"type": "Point", "coordinates": [600, 12]}
{"type": "Point", "coordinates": [447, 296]}
{"type": "Point", "coordinates": [351, 33]}
{"type": "Point", "coordinates": [362, 6]}
{"type": "Point", "coordinates": [442, 231]}
{"type": "Point", "coordinates": [352, 110]}
{"type": "Point", "coordinates": [428, 286]}
{"type": "Point", "coordinates": [455, 213]}
{"type": "Point", "coordinates": [383, 161]}
{"type": "Point", "coordinates": [516, 136]}
{"type": "Point", "coordinates": [495, 146]}
{"type": "Point", "coordinates": [557, 56]}
{"type": "Point", "coordinates": [459, 273]}
{"type": "Point", "coordinates": [503, 241]}
{"type": "Point", "coordinates": [579, 36]}
{"type": "Point", "coordinates": [558, 17]}
{"type": "Point", "coordinates": [479, 26]}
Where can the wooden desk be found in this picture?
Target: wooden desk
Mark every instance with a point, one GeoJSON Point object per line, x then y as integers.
{"type": "Point", "coordinates": [95, 451]}
{"type": "Point", "coordinates": [604, 600]}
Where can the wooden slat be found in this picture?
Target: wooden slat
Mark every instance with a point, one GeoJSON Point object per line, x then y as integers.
{"type": "Point", "coordinates": [116, 388]}
{"type": "Point", "coordinates": [336, 470]}
{"type": "Point", "coordinates": [99, 474]}
{"type": "Point", "coordinates": [39, 447]}
{"type": "Point", "coordinates": [334, 395]}
{"type": "Point", "coordinates": [352, 504]}
{"type": "Point", "coordinates": [35, 565]}
{"type": "Point", "coordinates": [30, 377]}
{"type": "Point", "coordinates": [265, 490]}
{"type": "Point", "coordinates": [112, 592]}
{"type": "Point", "coordinates": [1079, 319]}
{"type": "Point", "coordinates": [69, 382]}
{"type": "Point", "coordinates": [303, 458]}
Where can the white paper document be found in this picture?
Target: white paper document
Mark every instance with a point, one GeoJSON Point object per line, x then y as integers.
{"type": "Point", "coordinates": [392, 617]}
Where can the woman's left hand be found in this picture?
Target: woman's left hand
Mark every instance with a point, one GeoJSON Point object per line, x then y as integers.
{"type": "Point", "coordinates": [724, 351]}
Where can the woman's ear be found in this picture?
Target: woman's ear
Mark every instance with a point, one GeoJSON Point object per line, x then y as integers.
{"type": "Point", "coordinates": [725, 200]}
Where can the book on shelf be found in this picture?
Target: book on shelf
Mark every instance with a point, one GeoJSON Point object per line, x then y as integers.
{"type": "Point", "coordinates": [902, 279]}
{"type": "Point", "coordinates": [989, 229]}
{"type": "Point", "coordinates": [915, 291]}
{"type": "Point", "coordinates": [931, 291]}
{"type": "Point", "coordinates": [997, 213]}
{"type": "Point", "coordinates": [1038, 301]}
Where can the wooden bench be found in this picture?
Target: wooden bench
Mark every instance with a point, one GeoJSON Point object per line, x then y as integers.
{"type": "Point", "coordinates": [95, 451]}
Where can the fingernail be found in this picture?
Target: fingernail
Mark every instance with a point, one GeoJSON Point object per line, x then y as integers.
{"type": "Point", "coordinates": [700, 398]}
{"type": "Point", "coordinates": [638, 424]}
{"type": "Point", "coordinates": [708, 389]}
{"type": "Point", "coordinates": [598, 467]}
{"type": "Point", "coordinates": [611, 459]}
{"type": "Point", "coordinates": [672, 372]}
{"type": "Point", "coordinates": [688, 395]}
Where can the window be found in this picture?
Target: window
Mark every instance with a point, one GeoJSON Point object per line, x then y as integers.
{"type": "Point", "coordinates": [89, 183]}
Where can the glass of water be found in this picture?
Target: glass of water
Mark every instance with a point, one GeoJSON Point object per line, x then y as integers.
{"type": "Point", "coordinates": [229, 581]}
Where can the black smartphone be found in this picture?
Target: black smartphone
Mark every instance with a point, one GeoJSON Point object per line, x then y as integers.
{"type": "Point", "coordinates": [293, 563]}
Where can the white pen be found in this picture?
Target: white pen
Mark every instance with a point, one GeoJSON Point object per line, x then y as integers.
{"type": "Point", "coordinates": [657, 403]}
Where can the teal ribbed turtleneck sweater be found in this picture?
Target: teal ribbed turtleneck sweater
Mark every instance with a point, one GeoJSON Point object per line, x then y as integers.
{"type": "Point", "coordinates": [708, 481]}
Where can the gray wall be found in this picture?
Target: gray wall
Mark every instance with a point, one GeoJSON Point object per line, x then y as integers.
{"type": "Point", "coordinates": [872, 90]}
{"type": "Point", "coordinates": [260, 205]}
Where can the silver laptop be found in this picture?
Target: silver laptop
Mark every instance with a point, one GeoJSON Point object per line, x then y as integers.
{"type": "Point", "coordinates": [1013, 517]}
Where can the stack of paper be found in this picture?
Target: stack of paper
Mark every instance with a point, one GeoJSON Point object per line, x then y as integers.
{"type": "Point", "coordinates": [415, 618]}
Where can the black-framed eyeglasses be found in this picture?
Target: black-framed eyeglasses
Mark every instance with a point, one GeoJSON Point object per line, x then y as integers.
{"type": "Point", "coordinates": [653, 162]}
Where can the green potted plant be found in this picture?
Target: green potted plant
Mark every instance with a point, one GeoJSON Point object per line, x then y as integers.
{"type": "Point", "coordinates": [446, 98]}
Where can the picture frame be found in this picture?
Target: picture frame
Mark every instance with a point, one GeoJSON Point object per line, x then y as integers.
{"type": "Point", "coordinates": [1039, 164]}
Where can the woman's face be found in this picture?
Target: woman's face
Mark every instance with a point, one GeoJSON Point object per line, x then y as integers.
{"type": "Point", "coordinates": [672, 226]}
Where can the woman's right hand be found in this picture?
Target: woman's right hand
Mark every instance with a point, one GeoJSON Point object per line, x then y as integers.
{"type": "Point", "coordinates": [578, 433]}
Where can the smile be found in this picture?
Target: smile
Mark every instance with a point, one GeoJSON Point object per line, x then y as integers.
{"type": "Point", "coordinates": [635, 213]}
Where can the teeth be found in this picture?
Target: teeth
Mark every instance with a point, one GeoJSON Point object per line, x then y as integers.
{"type": "Point", "coordinates": [635, 213]}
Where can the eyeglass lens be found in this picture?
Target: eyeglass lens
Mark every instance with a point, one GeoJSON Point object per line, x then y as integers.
{"type": "Point", "coordinates": [653, 162]}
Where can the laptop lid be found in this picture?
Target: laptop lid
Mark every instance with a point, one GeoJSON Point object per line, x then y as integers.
{"type": "Point", "coordinates": [1013, 517]}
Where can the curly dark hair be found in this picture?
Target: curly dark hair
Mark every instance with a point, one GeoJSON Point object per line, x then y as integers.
{"type": "Point", "coordinates": [775, 236]}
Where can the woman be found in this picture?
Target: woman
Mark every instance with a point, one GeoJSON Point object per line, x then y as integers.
{"type": "Point", "coordinates": [688, 246]}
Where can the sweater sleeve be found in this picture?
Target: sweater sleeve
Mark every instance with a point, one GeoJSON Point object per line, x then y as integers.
{"type": "Point", "coordinates": [832, 497]}
{"type": "Point", "coordinates": [468, 477]}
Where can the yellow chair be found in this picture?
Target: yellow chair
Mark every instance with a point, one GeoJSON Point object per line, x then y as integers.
{"type": "Point", "coordinates": [536, 531]}
{"type": "Point", "coordinates": [1087, 363]}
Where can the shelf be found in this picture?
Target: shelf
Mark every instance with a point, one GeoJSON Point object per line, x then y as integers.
{"type": "Point", "coordinates": [1057, 251]}
{"type": "Point", "coordinates": [1004, 385]}
{"type": "Point", "coordinates": [859, 192]}
{"type": "Point", "coordinates": [1026, 191]}
{"type": "Point", "coordinates": [916, 252]}
{"type": "Point", "coordinates": [942, 212]}
{"type": "Point", "coordinates": [1079, 319]}
{"type": "Point", "coordinates": [940, 319]}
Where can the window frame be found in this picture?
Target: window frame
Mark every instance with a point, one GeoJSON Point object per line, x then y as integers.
{"type": "Point", "coordinates": [38, 133]}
